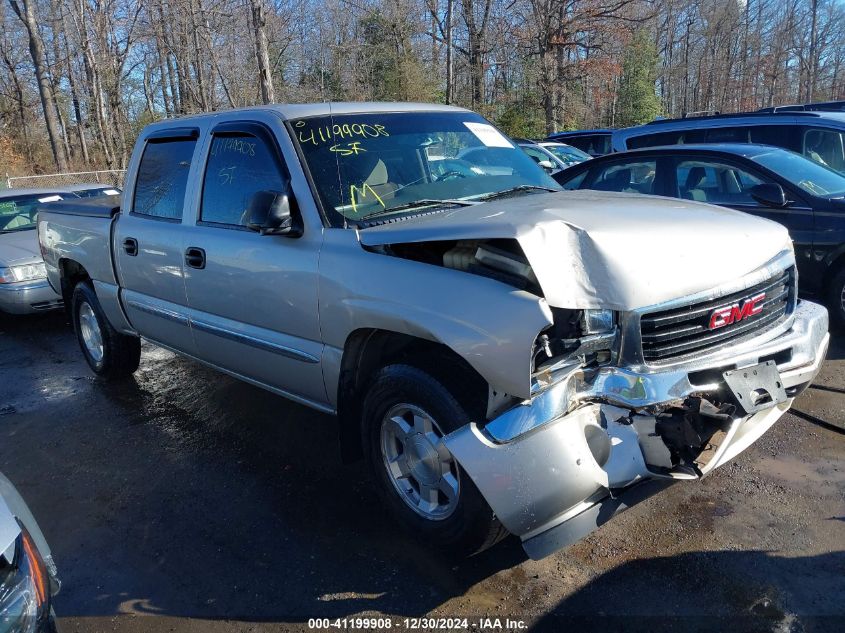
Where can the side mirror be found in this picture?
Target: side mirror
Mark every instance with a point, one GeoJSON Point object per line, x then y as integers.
{"type": "Point", "coordinates": [547, 165]}
{"type": "Point", "coordinates": [769, 194]}
{"type": "Point", "coordinates": [274, 213]}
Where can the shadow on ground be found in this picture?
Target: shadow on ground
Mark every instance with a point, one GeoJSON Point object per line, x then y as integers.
{"type": "Point", "coordinates": [709, 591]}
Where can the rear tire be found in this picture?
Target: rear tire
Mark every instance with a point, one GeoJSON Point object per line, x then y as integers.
{"type": "Point", "coordinates": [110, 354]}
{"type": "Point", "coordinates": [405, 414]}
{"type": "Point", "coordinates": [836, 298]}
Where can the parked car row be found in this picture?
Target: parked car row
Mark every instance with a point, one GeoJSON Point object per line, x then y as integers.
{"type": "Point", "coordinates": [552, 156]}
{"type": "Point", "coordinates": [815, 130]}
{"type": "Point", "coordinates": [783, 164]}
{"type": "Point", "coordinates": [23, 278]}
{"type": "Point", "coordinates": [507, 356]}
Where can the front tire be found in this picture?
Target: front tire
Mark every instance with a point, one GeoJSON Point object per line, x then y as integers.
{"type": "Point", "coordinates": [110, 354]}
{"type": "Point", "coordinates": [836, 298]}
{"type": "Point", "coordinates": [406, 413]}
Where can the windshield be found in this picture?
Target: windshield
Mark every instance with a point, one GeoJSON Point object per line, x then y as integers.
{"type": "Point", "coordinates": [569, 155]}
{"type": "Point", "coordinates": [17, 213]}
{"type": "Point", "coordinates": [813, 178]}
{"type": "Point", "coordinates": [367, 164]}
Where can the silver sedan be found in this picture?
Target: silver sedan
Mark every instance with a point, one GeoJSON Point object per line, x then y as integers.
{"type": "Point", "coordinates": [23, 279]}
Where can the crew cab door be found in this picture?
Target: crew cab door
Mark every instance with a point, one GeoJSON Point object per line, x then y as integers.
{"type": "Point", "coordinates": [147, 240]}
{"type": "Point", "coordinates": [727, 183]}
{"type": "Point", "coordinates": [253, 297]}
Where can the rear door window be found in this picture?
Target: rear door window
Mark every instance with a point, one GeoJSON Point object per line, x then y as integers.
{"type": "Point", "coordinates": [715, 182]}
{"type": "Point", "coordinates": [826, 147]}
{"type": "Point", "coordinates": [776, 135]}
{"type": "Point", "coordinates": [625, 177]}
{"type": "Point", "coordinates": [733, 134]}
{"type": "Point", "coordinates": [655, 140]}
{"type": "Point", "coordinates": [163, 178]}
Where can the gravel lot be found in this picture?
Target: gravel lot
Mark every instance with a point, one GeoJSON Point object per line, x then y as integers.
{"type": "Point", "coordinates": [184, 500]}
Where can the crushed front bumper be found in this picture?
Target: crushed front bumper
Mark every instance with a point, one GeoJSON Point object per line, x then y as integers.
{"type": "Point", "coordinates": [28, 297]}
{"type": "Point", "coordinates": [556, 467]}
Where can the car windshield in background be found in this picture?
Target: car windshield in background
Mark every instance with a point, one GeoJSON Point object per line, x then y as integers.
{"type": "Point", "coordinates": [810, 176]}
{"type": "Point", "coordinates": [371, 164]}
{"type": "Point", "coordinates": [17, 213]}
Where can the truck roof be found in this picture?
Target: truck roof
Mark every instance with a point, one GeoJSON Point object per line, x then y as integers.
{"type": "Point", "coordinates": [303, 110]}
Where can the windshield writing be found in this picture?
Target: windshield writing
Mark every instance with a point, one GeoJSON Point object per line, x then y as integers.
{"type": "Point", "coordinates": [363, 165]}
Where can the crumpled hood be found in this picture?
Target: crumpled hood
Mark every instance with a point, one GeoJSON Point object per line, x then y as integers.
{"type": "Point", "coordinates": [593, 249]}
{"type": "Point", "coordinates": [19, 247]}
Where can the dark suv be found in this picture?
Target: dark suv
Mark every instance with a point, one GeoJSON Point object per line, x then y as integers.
{"type": "Point", "coordinates": [594, 142]}
{"type": "Point", "coordinates": [804, 196]}
{"type": "Point", "coordinates": [815, 130]}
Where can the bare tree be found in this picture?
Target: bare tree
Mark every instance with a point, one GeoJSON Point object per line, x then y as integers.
{"type": "Point", "coordinates": [268, 94]}
{"type": "Point", "coordinates": [26, 13]}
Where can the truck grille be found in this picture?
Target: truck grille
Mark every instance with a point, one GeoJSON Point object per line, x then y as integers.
{"type": "Point", "coordinates": [669, 334]}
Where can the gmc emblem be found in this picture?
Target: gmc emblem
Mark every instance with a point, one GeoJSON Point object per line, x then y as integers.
{"type": "Point", "coordinates": [720, 317]}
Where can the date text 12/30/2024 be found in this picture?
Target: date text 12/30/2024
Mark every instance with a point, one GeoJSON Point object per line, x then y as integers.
{"type": "Point", "coordinates": [418, 624]}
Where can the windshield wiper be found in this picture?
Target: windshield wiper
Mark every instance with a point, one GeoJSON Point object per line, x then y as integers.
{"type": "Point", "coordinates": [426, 202]}
{"type": "Point", "coordinates": [505, 192]}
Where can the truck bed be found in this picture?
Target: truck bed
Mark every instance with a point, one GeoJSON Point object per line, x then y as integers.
{"type": "Point", "coordinates": [97, 207]}
{"type": "Point", "coordinates": [79, 231]}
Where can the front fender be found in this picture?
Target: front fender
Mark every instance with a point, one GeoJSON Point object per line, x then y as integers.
{"type": "Point", "coordinates": [489, 324]}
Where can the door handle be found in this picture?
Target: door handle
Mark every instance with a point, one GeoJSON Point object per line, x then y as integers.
{"type": "Point", "coordinates": [130, 245]}
{"type": "Point", "coordinates": [195, 257]}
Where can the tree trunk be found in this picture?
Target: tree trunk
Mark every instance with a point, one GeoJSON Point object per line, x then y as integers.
{"type": "Point", "coordinates": [450, 80]}
{"type": "Point", "coordinates": [268, 94]}
{"type": "Point", "coordinates": [45, 90]}
{"type": "Point", "coordinates": [74, 95]}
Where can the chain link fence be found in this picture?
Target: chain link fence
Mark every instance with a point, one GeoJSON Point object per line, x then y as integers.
{"type": "Point", "coordinates": [113, 177]}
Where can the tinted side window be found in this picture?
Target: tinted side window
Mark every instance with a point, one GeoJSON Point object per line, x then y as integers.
{"type": "Point", "coordinates": [633, 177]}
{"type": "Point", "coordinates": [163, 178]}
{"type": "Point", "coordinates": [714, 182]}
{"type": "Point", "coordinates": [826, 147]}
{"type": "Point", "coordinates": [777, 135]}
{"type": "Point", "coordinates": [654, 140]}
{"type": "Point", "coordinates": [572, 183]}
{"type": "Point", "coordinates": [593, 144]}
{"type": "Point", "coordinates": [239, 165]}
{"type": "Point", "coordinates": [736, 134]}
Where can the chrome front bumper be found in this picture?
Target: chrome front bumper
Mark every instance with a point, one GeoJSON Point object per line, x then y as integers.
{"type": "Point", "coordinates": [557, 466]}
{"type": "Point", "coordinates": [28, 297]}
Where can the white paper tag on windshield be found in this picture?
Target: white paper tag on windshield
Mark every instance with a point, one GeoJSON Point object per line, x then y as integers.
{"type": "Point", "coordinates": [111, 192]}
{"type": "Point", "coordinates": [488, 135]}
{"type": "Point", "coordinates": [50, 199]}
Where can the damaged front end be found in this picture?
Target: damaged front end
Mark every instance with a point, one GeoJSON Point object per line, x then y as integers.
{"type": "Point", "coordinates": [605, 427]}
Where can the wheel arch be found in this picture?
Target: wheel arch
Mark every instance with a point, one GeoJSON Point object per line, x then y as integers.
{"type": "Point", "coordinates": [367, 350]}
{"type": "Point", "coordinates": [71, 273]}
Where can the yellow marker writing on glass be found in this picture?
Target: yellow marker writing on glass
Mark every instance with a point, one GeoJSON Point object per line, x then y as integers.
{"type": "Point", "coordinates": [356, 193]}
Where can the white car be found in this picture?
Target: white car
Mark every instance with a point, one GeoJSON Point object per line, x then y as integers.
{"type": "Point", "coordinates": [552, 156]}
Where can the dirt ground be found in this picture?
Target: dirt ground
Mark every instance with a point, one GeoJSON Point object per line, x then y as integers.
{"type": "Point", "coordinates": [186, 501]}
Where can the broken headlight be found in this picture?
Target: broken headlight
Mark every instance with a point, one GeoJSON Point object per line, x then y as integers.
{"type": "Point", "coordinates": [598, 321]}
{"type": "Point", "coordinates": [24, 588]}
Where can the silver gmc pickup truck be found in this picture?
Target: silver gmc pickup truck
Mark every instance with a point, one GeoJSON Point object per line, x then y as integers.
{"type": "Point", "coordinates": [507, 357]}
